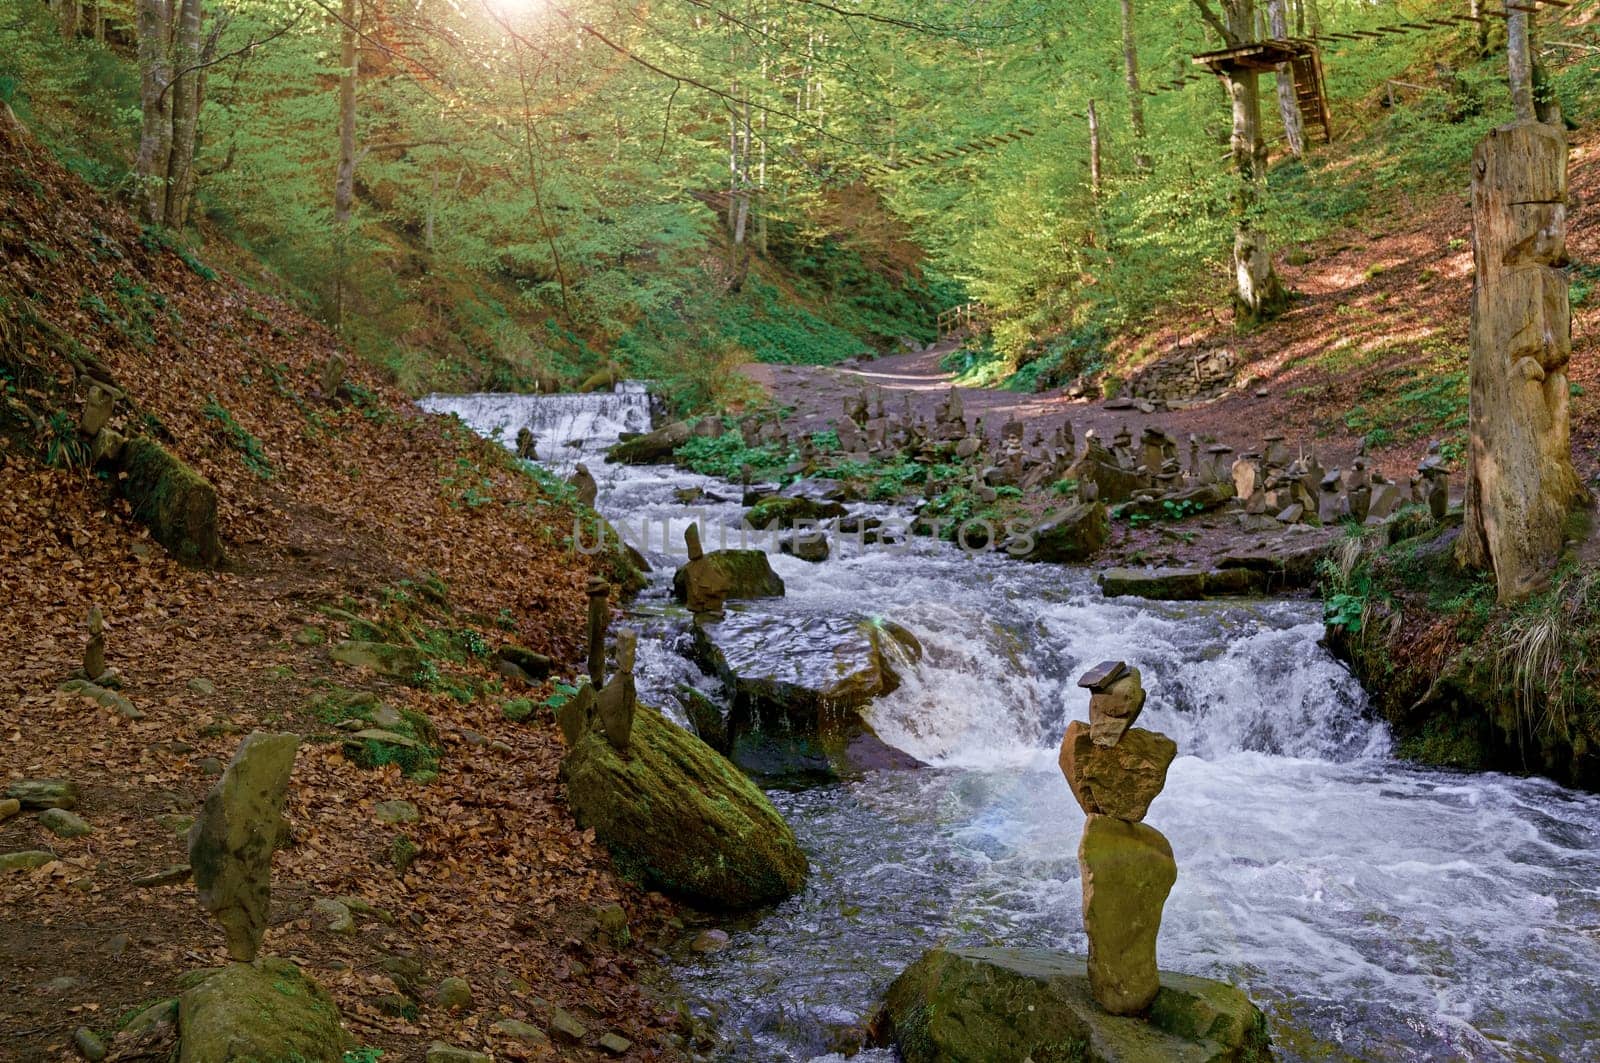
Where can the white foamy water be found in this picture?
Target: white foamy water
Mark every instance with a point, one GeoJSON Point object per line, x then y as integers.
{"type": "Point", "coordinates": [1376, 910]}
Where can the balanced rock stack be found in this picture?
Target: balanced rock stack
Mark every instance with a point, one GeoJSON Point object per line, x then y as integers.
{"type": "Point", "coordinates": [1115, 771]}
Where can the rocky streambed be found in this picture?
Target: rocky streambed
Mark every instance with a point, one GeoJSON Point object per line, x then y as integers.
{"type": "Point", "coordinates": [1374, 910]}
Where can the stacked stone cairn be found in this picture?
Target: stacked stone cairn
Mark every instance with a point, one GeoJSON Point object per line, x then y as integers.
{"type": "Point", "coordinates": [1115, 770]}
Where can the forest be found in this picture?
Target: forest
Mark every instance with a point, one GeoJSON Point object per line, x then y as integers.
{"type": "Point", "coordinates": [571, 529]}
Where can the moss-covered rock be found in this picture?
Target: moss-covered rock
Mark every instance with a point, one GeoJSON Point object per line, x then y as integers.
{"type": "Point", "coordinates": [264, 1012]}
{"type": "Point", "coordinates": [1076, 534]}
{"type": "Point", "coordinates": [678, 817]}
{"type": "Point", "coordinates": [740, 574]}
{"type": "Point", "coordinates": [652, 448]}
{"type": "Point", "coordinates": [176, 503]}
{"type": "Point", "coordinates": [990, 1005]}
{"type": "Point", "coordinates": [785, 511]}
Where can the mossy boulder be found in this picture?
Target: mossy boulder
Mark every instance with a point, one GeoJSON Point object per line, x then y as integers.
{"type": "Point", "coordinates": [1075, 534]}
{"type": "Point", "coordinates": [991, 1005]}
{"type": "Point", "coordinates": [744, 574]}
{"type": "Point", "coordinates": [259, 1013]}
{"type": "Point", "coordinates": [786, 511]}
{"type": "Point", "coordinates": [678, 817]}
{"type": "Point", "coordinates": [177, 504]}
{"type": "Point", "coordinates": [397, 662]}
{"type": "Point", "coordinates": [652, 448]}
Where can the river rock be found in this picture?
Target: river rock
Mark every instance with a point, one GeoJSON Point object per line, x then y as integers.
{"type": "Point", "coordinates": [9, 807]}
{"type": "Point", "coordinates": [680, 818]}
{"type": "Point", "coordinates": [1076, 534]}
{"type": "Point", "coordinates": [583, 482]}
{"type": "Point", "coordinates": [521, 1032]}
{"type": "Point", "coordinates": [453, 993]}
{"type": "Point", "coordinates": [64, 824]}
{"type": "Point", "coordinates": [1021, 1004]}
{"type": "Point", "coordinates": [232, 842]}
{"type": "Point", "coordinates": [1161, 584]}
{"type": "Point", "coordinates": [35, 795]}
{"type": "Point", "coordinates": [787, 511]}
{"type": "Point", "coordinates": [398, 662]}
{"type": "Point", "coordinates": [26, 860]}
{"type": "Point", "coordinates": [724, 574]}
{"type": "Point", "coordinates": [267, 1010]}
{"type": "Point", "coordinates": [1119, 780]}
{"type": "Point", "coordinates": [653, 448]}
{"type": "Point", "coordinates": [1127, 870]}
{"type": "Point", "coordinates": [439, 1052]}
{"type": "Point", "coordinates": [1113, 708]}
{"type": "Point", "coordinates": [810, 671]}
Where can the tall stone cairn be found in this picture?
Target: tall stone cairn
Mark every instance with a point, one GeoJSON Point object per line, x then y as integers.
{"type": "Point", "coordinates": [232, 842]}
{"type": "Point", "coordinates": [1115, 770]}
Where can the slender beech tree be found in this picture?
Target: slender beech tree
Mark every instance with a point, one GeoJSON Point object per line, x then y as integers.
{"type": "Point", "coordinates": [1288, 100]}
{"type": "Point", "coordinates": [173, 55]}
{"type": "Point", "coordinates": [1130, 71]}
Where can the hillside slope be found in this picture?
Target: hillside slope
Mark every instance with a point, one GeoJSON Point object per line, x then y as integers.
{"type": "Point", "coordinates": [346, 515]}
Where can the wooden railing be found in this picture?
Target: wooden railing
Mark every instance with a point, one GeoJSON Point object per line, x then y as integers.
{"type": "Point", "coordinates": [968, 317]}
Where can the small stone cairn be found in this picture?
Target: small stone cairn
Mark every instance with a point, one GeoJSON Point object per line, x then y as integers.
{"type": "Point", "coordinates": [1115, 770]}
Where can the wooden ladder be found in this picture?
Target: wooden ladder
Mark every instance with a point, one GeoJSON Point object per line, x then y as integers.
{"type": "Point", "coordinates": [1308, 91]}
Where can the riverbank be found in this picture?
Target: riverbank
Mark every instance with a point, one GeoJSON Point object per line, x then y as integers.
{"type": "Point", "coordinates": [344, 517]}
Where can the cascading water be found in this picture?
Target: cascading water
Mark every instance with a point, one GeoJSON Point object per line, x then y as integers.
{"type": "Point", "coordinates": [1375, 910]}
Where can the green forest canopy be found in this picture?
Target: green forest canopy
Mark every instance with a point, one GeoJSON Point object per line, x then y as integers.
{"type": "Point", "coordinates": [541, 184]}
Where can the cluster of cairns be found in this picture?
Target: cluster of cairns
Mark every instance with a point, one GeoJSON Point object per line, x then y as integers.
{"type": "Point", "coordinates": [1271, 486]}
{"type": "Point", "coordinates": [609, 705]}
{"type": "Point", "coordinates": [1115, 770]}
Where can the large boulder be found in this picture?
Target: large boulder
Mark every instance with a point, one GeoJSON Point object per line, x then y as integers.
{"type": "Point", "coordinates": [653, 448]}
{"type": "Point", "coordinates": [1076, 534]}
{"type": "Point", "coordinates": [736, 573]}
{"type": "Point", "coordinates": [1008, 1005]}
{"type": "Point", "coordinates": [177, 504]}
{"type": "Point", "coordinates": [811, 672]}
{"type": "Point", "coordinates": [678, 817]}
{"type": "Point", "coordinates": [265, 1011]}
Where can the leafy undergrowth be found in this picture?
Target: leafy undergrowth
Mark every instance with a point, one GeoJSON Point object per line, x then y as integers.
{"type": "Point", "coordinates": [342, 517]}
{"type": "Point", "coordinates": [1467, 682]}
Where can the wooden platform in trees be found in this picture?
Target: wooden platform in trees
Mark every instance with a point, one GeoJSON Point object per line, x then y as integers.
{"type": "Point", "coordinates": [1302, 57]}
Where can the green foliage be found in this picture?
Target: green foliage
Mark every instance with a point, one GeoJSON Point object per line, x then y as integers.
{"type": "Point", "coordinates": [240, 438]}
{"type": "Point", "coordinates": [726, 454]}
{"type": "Point", "coordinates": [1344, 611]}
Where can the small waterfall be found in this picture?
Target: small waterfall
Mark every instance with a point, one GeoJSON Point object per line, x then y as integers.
{"type": "Point", "coordinates": [566, 428]}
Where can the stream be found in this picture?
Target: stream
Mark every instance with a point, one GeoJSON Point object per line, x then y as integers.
{"type": "Point", "coordinates": [1375, 910]}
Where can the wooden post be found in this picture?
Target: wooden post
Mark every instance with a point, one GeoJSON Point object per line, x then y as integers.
{"type": "Point", "coordinates": [1520, 480]}
{"type": "Point", "coordinates": [1094, 151]}
{"type": "Point", "coordinates": [599, 613]}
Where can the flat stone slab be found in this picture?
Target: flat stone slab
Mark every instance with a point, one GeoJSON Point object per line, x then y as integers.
{"type": "Point", "coordinates": [1016, 1004]}
{"type": "Point", "coordinates": [1179, 584]}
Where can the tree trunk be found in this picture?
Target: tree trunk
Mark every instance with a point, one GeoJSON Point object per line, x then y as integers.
{"type": "Point", "coordinates": [344, 185]}
{"type": "Point", "coordinates": [1475, 9]}
{"type": "Point", "coordinates": [1288, 102]}
{"type": "Point", "coordinates": [155, 133]}
{"type": "Point", "coordinates": [1520, 480]}
{"type": "Point", "coordinates": [185, 104]}
{"type": "Point", "coordinates": [1519, 64]}
{"type": "Point", "coordinates": [1094, 151]}
{"type": "Point", "coordinates": [1130, 69]}
{"type": "Point", "coordinates": [1258, 294]}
